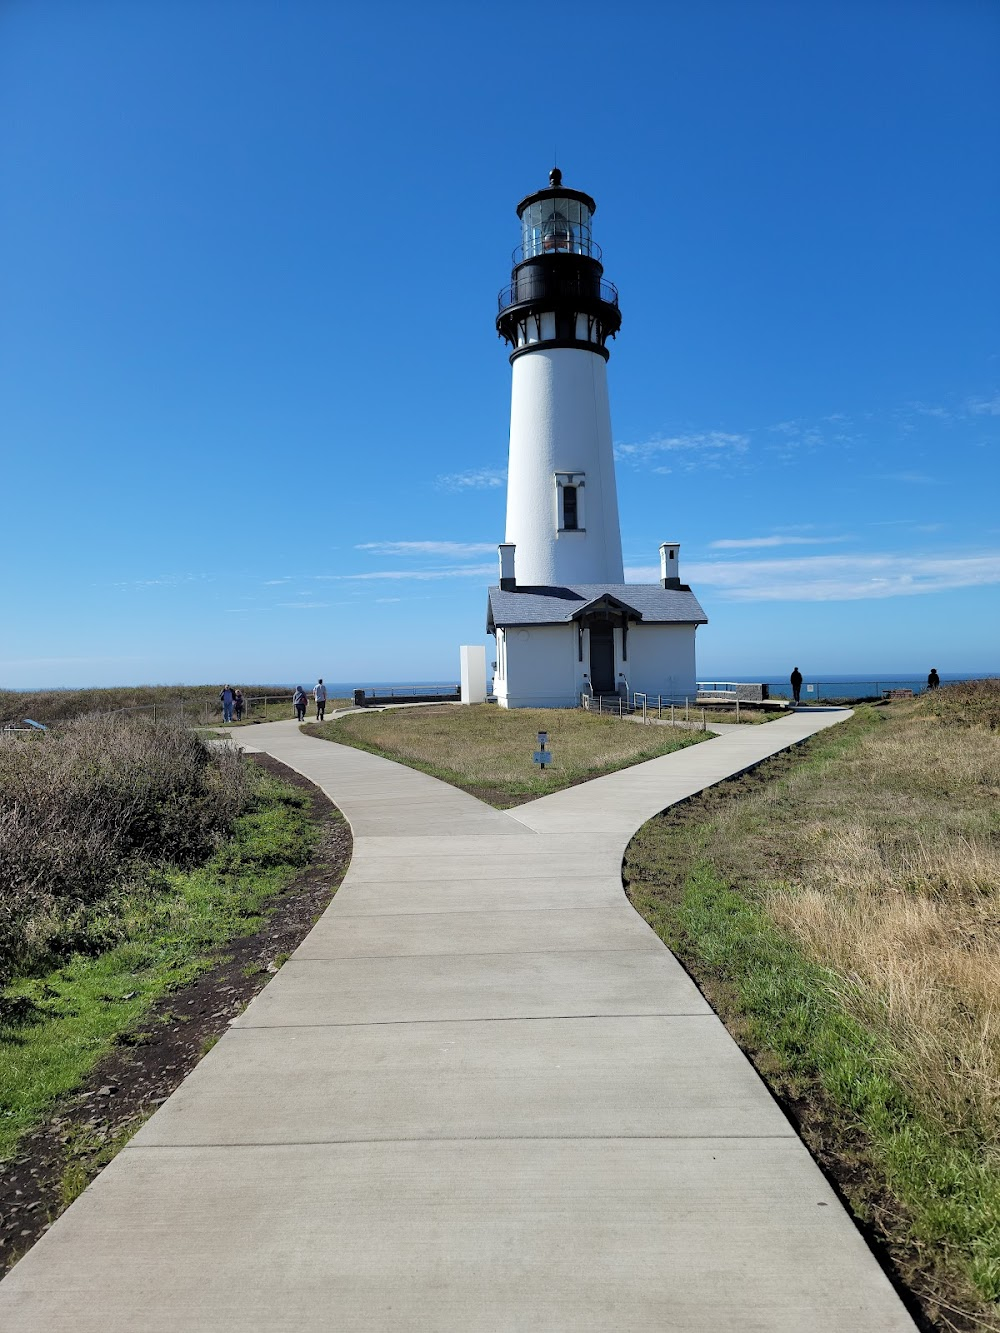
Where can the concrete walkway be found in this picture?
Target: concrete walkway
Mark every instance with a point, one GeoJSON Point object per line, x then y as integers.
{"type": "Point", "coordinates": [481, 1095]}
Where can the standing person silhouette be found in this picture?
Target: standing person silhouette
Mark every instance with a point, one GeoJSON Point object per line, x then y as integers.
{"type": "Point", "coordinates": [796, 682]}
{"type": "Point", "coordinates": [227, 698]}
{"type": "Point", "coordinates": [319, 694]}
{"type": "Point", "coordinates": [933, 680]}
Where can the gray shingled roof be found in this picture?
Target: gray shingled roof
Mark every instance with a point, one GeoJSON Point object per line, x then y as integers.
{"type": "Point", "coordinates": [651, 603]}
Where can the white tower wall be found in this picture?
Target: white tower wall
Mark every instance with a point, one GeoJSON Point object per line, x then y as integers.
{"type": "Point", "coordinates": [560, 423]}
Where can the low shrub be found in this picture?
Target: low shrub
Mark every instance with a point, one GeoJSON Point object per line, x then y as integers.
{"type": "Point", "coordinates": [92, 804]}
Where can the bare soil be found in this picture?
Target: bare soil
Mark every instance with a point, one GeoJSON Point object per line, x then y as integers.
{"type": "Point", "coordinates": [148, 1064]}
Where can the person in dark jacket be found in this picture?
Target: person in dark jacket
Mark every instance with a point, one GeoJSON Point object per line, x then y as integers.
{"type": "Point", "coordinates": [933, 680]}
{"type": "Point", "coordinates": [299, 701]}
{"type": "Point", "coordinates": [796, 680]}
{"type": "Point", "coordinates": [227, 698]}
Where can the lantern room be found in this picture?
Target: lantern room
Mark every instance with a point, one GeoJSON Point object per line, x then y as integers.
{"type": "Point", "coordinates": [556, 221]}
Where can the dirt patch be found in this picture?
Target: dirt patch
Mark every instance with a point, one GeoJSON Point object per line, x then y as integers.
{"type": "Point", "coordinates": [64, 1154]}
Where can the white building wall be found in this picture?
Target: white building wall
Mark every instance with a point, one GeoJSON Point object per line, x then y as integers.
{"type": "Point", "coordinates": [560, 421]}
{"type": "Point", "coordinates": [539, 667]}
{"type": "Point", "coordinates": [660, 660]}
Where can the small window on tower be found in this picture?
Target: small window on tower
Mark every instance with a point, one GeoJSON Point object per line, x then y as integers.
{"type": "Point", "coordinates": [569, 507]}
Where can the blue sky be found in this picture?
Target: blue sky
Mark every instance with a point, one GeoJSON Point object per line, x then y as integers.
{"type": "Point", "coordinates": [253, 408]}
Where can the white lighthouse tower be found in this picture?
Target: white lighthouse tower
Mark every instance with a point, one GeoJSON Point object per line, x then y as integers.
{"type": "Point", "coordinates": [557, 315]}
{"type": "Point", "coordinates": [568, 628]}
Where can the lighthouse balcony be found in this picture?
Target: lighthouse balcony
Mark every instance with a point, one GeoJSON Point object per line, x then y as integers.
{"type": "Point", "coordinates": [533, 286]}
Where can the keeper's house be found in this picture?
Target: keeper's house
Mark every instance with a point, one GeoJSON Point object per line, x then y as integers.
{"type": "Point", "coordinates": [556, 645]}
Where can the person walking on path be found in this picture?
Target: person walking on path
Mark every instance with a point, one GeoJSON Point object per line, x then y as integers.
{"type": "Point", "coordinates": [319, 694]}
{"type": "Point", "coordinates": [238, 704]}
{"type": "Point", "coordinates": [933, 680]}
{"type": "Point", "coordinates": [796, 680]}
{"type": "Point", "coordinates": [227, 698]}
{"type": "Point", "coordinates": [299, 701]}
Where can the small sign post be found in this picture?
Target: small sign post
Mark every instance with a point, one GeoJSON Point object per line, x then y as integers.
{"type": "Point", "coordinates": [542, 755]}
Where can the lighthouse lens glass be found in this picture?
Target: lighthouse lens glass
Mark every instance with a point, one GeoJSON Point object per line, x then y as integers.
{"type": "Point", "coordinates": [556, 226]}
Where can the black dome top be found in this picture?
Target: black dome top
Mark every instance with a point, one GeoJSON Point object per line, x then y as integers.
{"type": "Point", "coordinates": [556, 190]}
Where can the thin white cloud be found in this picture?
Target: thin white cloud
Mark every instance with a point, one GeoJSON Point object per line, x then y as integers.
{"type": "Point", "coordinates": [705, 444]}
{"type": "Point", "coordinates": [928, 410]}
{"type": "Point", "coordinates": [428, 548]}
{"type": "Point", "coordinates": [836, 578]}
{"type": "Point", "coordinates": [746, 543]}
{"type": "Point", "coordinates": [911, 478]}
{"type": "Point", "coordinates": [985, 407]}
{"type": "Point", "coordinates": [444, 572]}
{"type": "Point", "coordinates": [273, 583]}
{"type": "Point", "coordinates": [65, 661]}
{"type": "Point", "coordinates": [478, 479]}
{"type": "Point", "coordinates": [303, 606]}
{"type": "Point", "coordinates": [165, 581]}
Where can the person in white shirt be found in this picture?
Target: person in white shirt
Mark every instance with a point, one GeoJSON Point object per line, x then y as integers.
{"type": "Point", "coordinates": [319, 694]}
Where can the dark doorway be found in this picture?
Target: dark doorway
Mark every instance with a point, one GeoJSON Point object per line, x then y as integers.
{"type": "Point", "coordinates": [602, 659]}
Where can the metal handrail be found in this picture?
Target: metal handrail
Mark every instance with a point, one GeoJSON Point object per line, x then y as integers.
{"type": "Point", "coordinates": [578, 246]}
{"type": "Point", "coordinates": [517, 292]}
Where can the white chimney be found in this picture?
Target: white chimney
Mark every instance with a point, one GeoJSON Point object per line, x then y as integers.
{"type": "Point", "coordinates": [507, 581]}
{"type": "Point", "coordinates": [670, 569]}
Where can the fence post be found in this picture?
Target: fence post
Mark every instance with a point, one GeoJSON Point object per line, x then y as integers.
{"type": "Point", "coordinates": [703, 726]}
{"type": "Point", "coordinates": [671, 715]}
{"type": "Point", "coordinates": [621, 706]}
{"type": "Point", "coordinates": [154, 712]}
{"type": "Point", "coordinates": [687, 709]}
{"type": "Point", "coordinates": [659, 705]}
{"type": "Point", "coordinates": [737, 708]}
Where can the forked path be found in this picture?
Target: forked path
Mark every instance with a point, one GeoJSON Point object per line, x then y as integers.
{"type": "Point", "coordinates": [480, 1095]}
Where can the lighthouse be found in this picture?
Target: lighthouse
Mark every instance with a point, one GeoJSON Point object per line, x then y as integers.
{"type": "Point", "coordinates": [568, 628]}
{"type": "Point", "coordinates": [557, 315]}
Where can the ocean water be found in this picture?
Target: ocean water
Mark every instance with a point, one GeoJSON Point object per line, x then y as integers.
{"type": "Point", "coordinates": [824, 685]}
{"type": "Point", "coordinates": [836, 686]}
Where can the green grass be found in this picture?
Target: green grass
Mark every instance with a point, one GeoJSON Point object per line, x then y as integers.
{"type": "Point", "coordinates": [55, 1027]}
{"type": "Point", "coordinates": [488, 751]}
{"type": "Point", "coordinates": [721, 883]}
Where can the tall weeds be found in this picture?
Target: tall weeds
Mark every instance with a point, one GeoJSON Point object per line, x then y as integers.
{"type": "Point", "coordinates": [85, 809]}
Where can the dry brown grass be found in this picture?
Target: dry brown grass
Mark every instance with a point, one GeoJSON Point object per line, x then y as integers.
{"type": "Point", "coordinates": [489, 750]}
{"type": "Point", "coordinates": [887, 871]}
{"type": "Point", "coordinates": [193, 703]}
